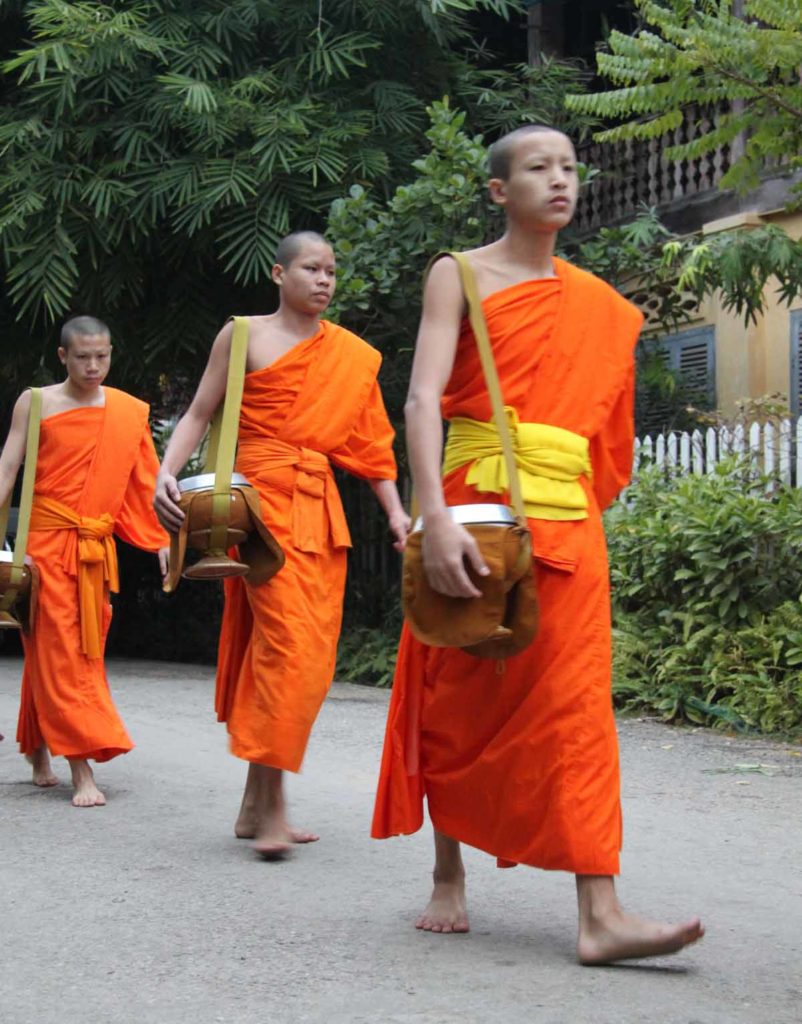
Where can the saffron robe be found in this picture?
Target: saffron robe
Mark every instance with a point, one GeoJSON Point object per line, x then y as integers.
{"type": "Point", "coordinates": [316, 405]}
{"type": "Point", "coordinates": [97, 461]}
{"type": "Point", "coordinates": [519, 757]}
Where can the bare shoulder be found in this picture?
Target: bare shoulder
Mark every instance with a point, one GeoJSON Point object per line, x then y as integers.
{"type": "Point", "coordinates": [490, 267]}
{"type": "Point", "coordinates": [443, 287]}
{"type": "Point", "coordinates": [23, 404]}
{"type": "Point", "coordinates": [222, 341]}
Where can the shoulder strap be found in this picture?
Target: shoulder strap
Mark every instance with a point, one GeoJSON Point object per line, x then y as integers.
{"type": "Point", "coordinates": [222, 447]}
{"type": "Point", "coordinates": [479, 325]}
{"type": "Point", "coordinates": [26, 497]}
{"type": "Point", "coordinates": [223, 434]}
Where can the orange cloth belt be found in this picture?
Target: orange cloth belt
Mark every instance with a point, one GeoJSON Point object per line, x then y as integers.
{"type": "Point", "coordinates": [317, 510]}
{"type": "Point", "coordinates": [94, 562]}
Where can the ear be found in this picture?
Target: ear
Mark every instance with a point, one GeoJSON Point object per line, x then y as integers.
{"type": "Point", "coordinates": [497, 188]}
{"type": "Point", "coordinates": [277, 274]}
{"type": "Point", "coordinates": [62, 354]}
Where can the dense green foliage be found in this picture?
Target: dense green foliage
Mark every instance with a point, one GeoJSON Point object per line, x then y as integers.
{"type": "Point", "coordinates": [707, 580]}
{"type": "Point", "coordinates": [152, 152]}
{"type": "Point", "coordinates": [700, 52]}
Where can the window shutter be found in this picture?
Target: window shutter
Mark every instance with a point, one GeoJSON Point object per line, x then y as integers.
{"type": "Point", "coordinates": [693, 357]}
{"type": "Point", "coordinates": [795, 388]}
{"type": "Point", "coordinates": [691, 354]}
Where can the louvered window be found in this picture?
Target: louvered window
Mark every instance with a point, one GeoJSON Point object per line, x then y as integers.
{"type": "Point", "coordinates": [691, 354]}
{"type": "Point", "coordinates": [795, 388]}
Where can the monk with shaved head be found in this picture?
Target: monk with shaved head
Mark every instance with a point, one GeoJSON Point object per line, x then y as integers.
{"type": "Point", "coordinates": [95, 477]}
{"type": "Point", "coordinates": [519, 757]}
{"type": "Point", "coordinates": [311, 402]}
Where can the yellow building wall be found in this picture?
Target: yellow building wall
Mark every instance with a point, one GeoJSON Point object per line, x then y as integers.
{"type": "Point", "coordinates": [752, 360]}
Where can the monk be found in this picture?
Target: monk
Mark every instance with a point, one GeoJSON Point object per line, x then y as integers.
{"type": "Point", "coordinates": [310, 401]}
{"type": "Point", "coordinates": [519, 758]}
{"type": "Point", "coordinates": [95, 477]}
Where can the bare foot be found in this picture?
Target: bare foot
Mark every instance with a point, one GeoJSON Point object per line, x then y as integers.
{"type": "Point", "coordinates": [615, 935]}
{"type": "Point", "coordinates": [245, 827]}
{"type": "Point", "coordinates": [263, 815]}
{"type": "Point", "coordinates": [272, 841]}
{"type": "Point", "coordinates": [42, 770]}
{"type": "Point", "coordinates": [446, 911]}
{"type": "Point", "coordinates": [86, 792]}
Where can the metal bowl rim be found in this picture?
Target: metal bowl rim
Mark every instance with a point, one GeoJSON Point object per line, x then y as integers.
{"type": "Point", "coordinates": [465, 515]}
{"type": "Point", "coordinates": [205, 481]}
{"type": "Point", "coordinates": [6, 557]}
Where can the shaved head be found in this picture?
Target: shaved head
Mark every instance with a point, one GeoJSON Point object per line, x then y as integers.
{"type": "Point", "coordinates": [503, 150]}
{"type": "Point", "coordinates": [83, 327]}
{"type": "Point", "coordinates": [291, 245]}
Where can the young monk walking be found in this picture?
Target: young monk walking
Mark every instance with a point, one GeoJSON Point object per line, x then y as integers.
{"type": "Point", "coordinates": [310, 400]}
{"type": "Point", "coordinates": [95, 477]}
{"type": "Point", "coordinates": [520, 758]}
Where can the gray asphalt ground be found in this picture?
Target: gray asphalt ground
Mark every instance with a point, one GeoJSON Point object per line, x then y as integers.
{"type": "Point", "coordinates": [149, 911]}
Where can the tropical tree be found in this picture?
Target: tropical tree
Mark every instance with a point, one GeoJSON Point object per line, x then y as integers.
{"type": "Point", "coordinates": [742, 57]}
{"type": "Point", "coordinates": [383, 246]}
{"type": "Point", "coordinates": [152, 152]}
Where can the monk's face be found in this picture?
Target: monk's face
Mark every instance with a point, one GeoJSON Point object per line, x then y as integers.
{"type": "Point", "coordinates": [542, 187]}
{"type": "Point", "coordinates": [87, 359]}
{"type": "Point", "coordinates": [307, 283]}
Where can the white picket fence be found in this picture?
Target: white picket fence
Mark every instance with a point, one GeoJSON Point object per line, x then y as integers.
{"type": "Point", "coordinates": [775, 448]}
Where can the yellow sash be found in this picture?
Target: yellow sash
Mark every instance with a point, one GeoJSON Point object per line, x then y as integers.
{"type": "Point", "coordinates": [97, 563]}
{"type": "Point", "coordinates": [550, 462]}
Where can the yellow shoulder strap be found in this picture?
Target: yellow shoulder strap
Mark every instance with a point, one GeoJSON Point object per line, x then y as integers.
{"type": "Point", "coordinates": [26, 497]}
{"type": "Point", "coordinates": [479, 325]}
{"type": "Point", "coordinates": [222, 447]}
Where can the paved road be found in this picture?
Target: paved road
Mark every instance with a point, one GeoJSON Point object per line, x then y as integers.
{"type": "Point", "coordinates": [150, 912]}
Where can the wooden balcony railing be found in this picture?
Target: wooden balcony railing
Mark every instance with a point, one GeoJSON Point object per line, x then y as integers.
{"type": "Point", "coordinates": [636, 172]}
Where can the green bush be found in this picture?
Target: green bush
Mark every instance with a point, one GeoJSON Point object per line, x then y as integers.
{"type": "Point", "coordinates": [368, 654]}
{"type": "Point", "coordinates": [707, 578]}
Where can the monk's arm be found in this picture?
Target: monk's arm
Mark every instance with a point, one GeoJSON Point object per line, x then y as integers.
{"type": "Point", "coordinates": [190, 430]}
{"type": "Point", "coordinates": [14, 448]}
{"type": "Point", "coordinates": [397, 518]}
{"type": "Point", "coordinates": [611, 450]}
{"type": "Point", "coordinates": [446, 544]}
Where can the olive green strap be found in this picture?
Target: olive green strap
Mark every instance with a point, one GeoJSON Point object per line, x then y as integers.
{"type": "Point", "coordinates": [222, 445]}
{"type": "Point", "coordinates": [26, 500]}
{"type": "Point", "coordinates": [479, 325]}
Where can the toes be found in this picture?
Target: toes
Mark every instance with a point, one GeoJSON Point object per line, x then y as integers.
{"type": "Point", "coordinates": [303, 837]}
{"type": "Point", "coordinates": [96, 799]}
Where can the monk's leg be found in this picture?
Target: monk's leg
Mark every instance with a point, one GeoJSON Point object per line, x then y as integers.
{"type": "Point", "coordinates": [607, 934]}
{"type": "Point", "coordinates": [446, 911]}
{"type": "Point", "coordinates": [257, 801]}
{"type": "Point", "coordinates": [42, 770]}
{"type": "Point", "coordinates": [273, 834]}
{"type": "Point", "coordinates": [245, 825]}
{"type": "Point", "coordinates": [86, 792]}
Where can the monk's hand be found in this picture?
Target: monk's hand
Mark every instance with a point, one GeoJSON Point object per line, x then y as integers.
{"type": "Point", "coordinates": [447, 547]}
{"type": "Point", "coordinates": [400, 524]}
{"type": "Point", "coordinates": [164, 562]}
{"type": "Point", "coordinates": [165, 502]}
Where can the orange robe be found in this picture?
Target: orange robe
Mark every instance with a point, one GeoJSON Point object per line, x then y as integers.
{"type": "Point", "coordinates": [318, 404]}
{"type": "Point", "coordinates": [519, 758]}
{"type": "Point", "coordinates": [98, 462]}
